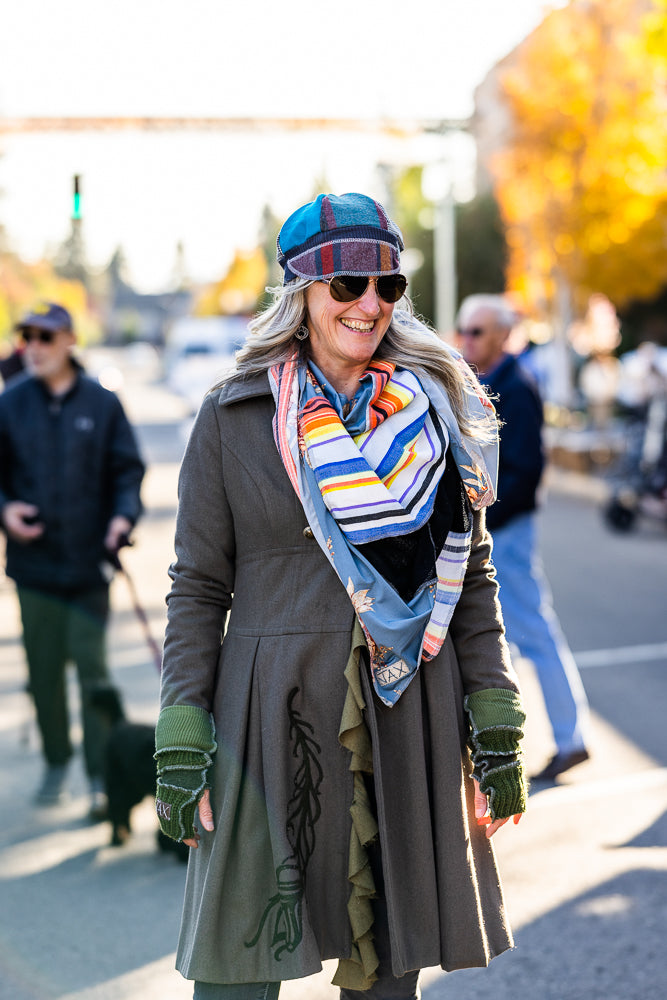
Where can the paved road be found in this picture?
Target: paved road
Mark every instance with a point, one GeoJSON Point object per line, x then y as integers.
{"type": "Point", "coordinates": [585, 872]}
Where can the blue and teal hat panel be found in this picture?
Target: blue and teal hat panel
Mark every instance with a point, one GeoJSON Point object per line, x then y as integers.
{"type": "Point", "coordinates": [339, 234]}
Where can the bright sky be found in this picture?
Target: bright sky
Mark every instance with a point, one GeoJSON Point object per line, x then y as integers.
{"type": "Point", "coordinates": [305, 58]}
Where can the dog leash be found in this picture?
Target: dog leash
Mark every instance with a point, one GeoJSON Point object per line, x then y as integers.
{"type": "Point", "coordinates": [114, 559]}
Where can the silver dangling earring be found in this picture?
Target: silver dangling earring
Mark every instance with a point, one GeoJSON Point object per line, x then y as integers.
{"type": "Point", "coordinates": [302, 333]}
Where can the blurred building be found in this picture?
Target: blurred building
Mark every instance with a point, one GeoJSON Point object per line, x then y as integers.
{"type": "Point", "coordinates": [132, 315]}
{"type": "Point", "coordinates": [491, 122]}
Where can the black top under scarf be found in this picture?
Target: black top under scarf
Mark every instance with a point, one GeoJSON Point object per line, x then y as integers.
{"type": "Point", "coordinates": [408, 561]}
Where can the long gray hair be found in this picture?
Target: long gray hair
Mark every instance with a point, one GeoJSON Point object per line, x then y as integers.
{"type": "Point", "coordinates": [408, 343]}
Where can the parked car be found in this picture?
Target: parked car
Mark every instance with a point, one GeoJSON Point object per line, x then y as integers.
{"type": "Point", "coordinates": [199, 350]}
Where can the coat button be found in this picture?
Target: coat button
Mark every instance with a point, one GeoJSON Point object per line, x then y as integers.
{"type": "Point", "coordinates": [308, 532]}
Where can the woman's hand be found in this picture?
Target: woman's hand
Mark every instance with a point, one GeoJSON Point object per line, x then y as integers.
{"type": "Point", "coordinates": [205, 817]}
{"type": "Point", "coordinates": [482, 813]}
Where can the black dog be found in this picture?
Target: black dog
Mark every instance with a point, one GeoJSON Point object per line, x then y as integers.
{"type": "Point", "coordinates": [129, 767]}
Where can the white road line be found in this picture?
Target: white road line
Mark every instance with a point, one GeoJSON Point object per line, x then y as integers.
{"type": "Point", "coordinates": [623, 654]}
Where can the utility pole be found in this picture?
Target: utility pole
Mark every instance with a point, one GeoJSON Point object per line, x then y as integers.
{"type": "Point", "coordinates": [444, 238]}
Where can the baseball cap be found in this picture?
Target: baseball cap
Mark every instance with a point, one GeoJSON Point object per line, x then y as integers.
{"type": "Point", "coordinates": [47, 316]}
{"type": "Point", "coordinates": [339, 234]}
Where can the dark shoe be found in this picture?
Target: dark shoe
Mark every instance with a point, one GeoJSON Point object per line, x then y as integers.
{"type": "Point", "coordinates": [52, 791]}
{"type": "Point", "coordinates": [561, 762]}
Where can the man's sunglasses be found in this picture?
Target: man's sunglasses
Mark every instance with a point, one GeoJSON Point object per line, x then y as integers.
{"type": "Point", "coordinates": [470, 331]}
{"type": "Point", "coordinates": [348, 287]}
{"type": "Point", "coordinates": [44, 336]}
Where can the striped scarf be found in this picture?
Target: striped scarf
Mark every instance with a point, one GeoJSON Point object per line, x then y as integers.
{"type": "Point", "coordinates": [373, 474]}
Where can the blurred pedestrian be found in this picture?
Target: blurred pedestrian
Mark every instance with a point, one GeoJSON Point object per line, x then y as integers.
{"type": "Point", "coordinates": [332, 500]}
{"type": "Point", "coordinates": [598, 380]}
{"type": "Point", "coordinates": [642, 378]}
{"type": "Point", "coordinates": [70, 476]}
{"type": "Point", "coordinates": [484, 324]}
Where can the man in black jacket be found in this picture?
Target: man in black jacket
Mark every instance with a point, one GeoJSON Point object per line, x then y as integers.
{"type": "Point", "coordinates": [70, 477]}
{"type": "Point", "coordinates": [484, 324]}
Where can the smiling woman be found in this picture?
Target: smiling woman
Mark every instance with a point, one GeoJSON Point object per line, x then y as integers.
{"type": "Point", "coordinates": [354, 743]}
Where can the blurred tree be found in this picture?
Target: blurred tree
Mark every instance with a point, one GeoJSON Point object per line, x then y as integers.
{"type": "Point", "coordinates": [581, 181]}
{"type": "Point", "coordinates": [269, 227]}
{"type": "Point", "coordinates": [655, 26]}
{"type": "Point", "coordinates": [116, 272]}
{"type": "Point", "coordinates": [481, 252]}
{"type": "Point", "coordinates": [239, 289]}
{"type": "Point", "coordinates": [480, 242]}
{"type": "Point", "coordinates": [62, 280]}
{"type": "Point", "coordinates": [414, 215]}
{"type": "Point", "coordinates": [70, 257]}
{"type": "Point", "coordinates": [22, 285]}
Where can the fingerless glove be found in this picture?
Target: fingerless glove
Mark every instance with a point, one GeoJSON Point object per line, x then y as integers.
{"type": "Point", "coordinates": [496, 728]}
{"type": "Point", "coordinates": [184, 745]}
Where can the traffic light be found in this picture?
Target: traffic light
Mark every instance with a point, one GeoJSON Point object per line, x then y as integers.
{"type": "Point", "coordinates": [76, 203]}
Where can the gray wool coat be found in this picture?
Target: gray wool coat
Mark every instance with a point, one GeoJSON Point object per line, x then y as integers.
{"type": "Point", "coordinates": [247, 568]}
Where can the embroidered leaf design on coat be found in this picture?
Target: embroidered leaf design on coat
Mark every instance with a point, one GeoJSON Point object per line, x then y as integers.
{"type": "Point", "coordinates": [303, 812]}
{"type": "Point", "coordinates": [303, 809]}
{"type": "Point", "coordinates": [360, 600]}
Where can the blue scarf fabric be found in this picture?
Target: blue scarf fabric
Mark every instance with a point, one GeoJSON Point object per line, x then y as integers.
{"type": "Point", "coordinates": [373, 473]}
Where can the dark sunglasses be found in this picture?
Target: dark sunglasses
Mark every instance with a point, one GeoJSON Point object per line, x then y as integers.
{"type": "Point", "coordinates": [45, 336]}
{"type": "Point", "coordinates": [471, 331]}
{"type": "Point", "coordinates": [348, 287]}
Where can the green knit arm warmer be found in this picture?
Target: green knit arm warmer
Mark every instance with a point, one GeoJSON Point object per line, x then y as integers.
{"type": "Point", "coordinates": [184, 748]}
{"type": "Point", "coordinates": [496, 728]}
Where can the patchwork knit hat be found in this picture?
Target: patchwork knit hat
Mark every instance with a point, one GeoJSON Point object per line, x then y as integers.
{"type": "Point", "coordinates": [339, 234]}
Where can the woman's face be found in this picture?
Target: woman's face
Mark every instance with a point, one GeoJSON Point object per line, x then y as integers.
{"type": "Point", "coordinates": [344, 336]}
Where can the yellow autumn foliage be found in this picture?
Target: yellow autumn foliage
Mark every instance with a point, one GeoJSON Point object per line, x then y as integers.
{"type": "Point", "coordinates": [239, 289]}
{"type": "Point", "coordinates": [24, 285]}
{"type": "Point", "coordinates": [581, 179]}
